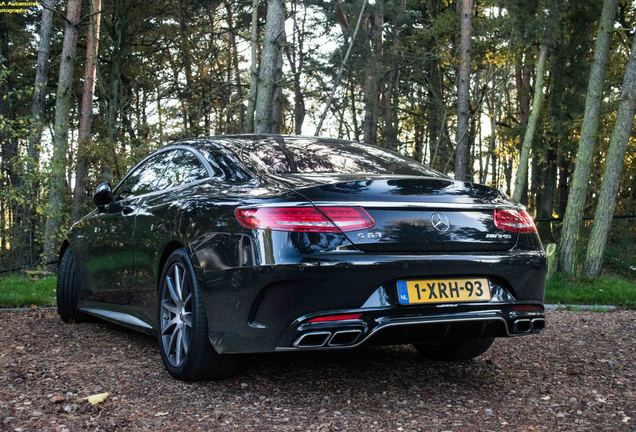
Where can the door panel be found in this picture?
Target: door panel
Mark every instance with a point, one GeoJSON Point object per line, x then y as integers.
{"type": "Point", "coordinates": [107, 254]}
{"type": "Point", "coordinates": [110, 235]}
{"type": "Point", "coordinates": [154, 229]}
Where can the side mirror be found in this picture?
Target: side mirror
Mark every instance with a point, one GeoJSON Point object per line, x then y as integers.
{"type": "Point", "coordinates": [103, 195]}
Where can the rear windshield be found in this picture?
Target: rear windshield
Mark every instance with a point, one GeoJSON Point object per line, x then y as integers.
{"type": "Point", "coordinates": [309, 156]}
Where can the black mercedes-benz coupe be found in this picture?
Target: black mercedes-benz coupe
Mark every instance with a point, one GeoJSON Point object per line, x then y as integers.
{"type": "Point", "coordinates": [229, 245]}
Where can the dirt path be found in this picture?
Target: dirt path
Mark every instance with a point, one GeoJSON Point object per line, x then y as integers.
{"type": "Point", "coordinates": [578, 375]}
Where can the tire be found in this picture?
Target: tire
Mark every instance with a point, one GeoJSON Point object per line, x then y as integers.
{"type": "Point", "coordinates": [455, 350]}
{"type": "Point", "coordinates": [67, 288]}
{"type": "Point", "coordinates": [182, 328]}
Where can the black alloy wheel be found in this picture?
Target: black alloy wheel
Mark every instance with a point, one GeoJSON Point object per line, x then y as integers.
{"type": "Point", "coordinates": [183, 329]}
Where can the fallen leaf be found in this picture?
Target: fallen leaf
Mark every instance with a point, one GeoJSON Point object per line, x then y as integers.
{"type": "Point", "coordinates": [97, 398]}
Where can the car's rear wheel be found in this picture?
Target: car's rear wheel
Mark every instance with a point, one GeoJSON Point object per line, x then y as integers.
{"type": "Point", "coordinates": [454, 350]}
{"type": "Point", "coordinates": [182, 332]}
{"type": "Point", "coordinates": [67, 288]}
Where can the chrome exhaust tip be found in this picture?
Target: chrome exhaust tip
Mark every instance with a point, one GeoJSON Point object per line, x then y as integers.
{"type": "Point", "coordinates": [538, 324]}
{"type": "Point", "coordinates": [522, 326]}
{"type": "Point", "coordinates": [344, 337]}
{"type": "Point", "coordinates": [312, 339]}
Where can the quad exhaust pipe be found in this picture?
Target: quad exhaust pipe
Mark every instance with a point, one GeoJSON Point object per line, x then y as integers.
{"type": "Point", "coordinates": [527, 325]}
{"type": "Point", "coordinates": [349, 336]}
{"type": "Point", "coordinates": [538, 324]}
{"type": "Point", "coordinates": [312, 339]}
{"type": "Point", "coordinates": [319, 339]}
{"type": "Point", "coordinates": [344, 337]}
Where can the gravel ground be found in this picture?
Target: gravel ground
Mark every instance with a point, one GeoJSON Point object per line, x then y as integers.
{"type": "Point", "coordinates": [578, 375]}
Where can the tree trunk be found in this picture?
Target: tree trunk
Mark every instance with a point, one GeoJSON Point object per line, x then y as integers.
{"type": "Point", "coordinates": [545, 197]}
{"type": "Point", "coordinates": [120, 28]}
{"type": "Point", "coordinates": [274, 34]}
{"type": "Point", "coordinates": [354, 108]}
{"type": "Point", "coordinates": [192, 103]}
{"type": "Point", "coordinates": [613, 169]}
{"type": "Point", "coordinates": [589, 131]}
{"type": "Point", "coordinates": [296, 59]}
{"type": "Point", "coordinates": [37, 119]}
{"type": "Point", "coordinates": [478, 152]}
{"type": "Point", "coordinates": [86, 111]}
{"type": "Point", "coordinates": [391, 95]}
{"type": "Point", "coordinates": [548, 184]}
{"type": "Point", "coordinates": [462, 153]}
{"type": "Point", "coordinates": [299, 106]}
{"type": "Point", "coordinates": [160, 116]}
{"type": "Point", "coordinates": [563, 185]}
{"type": "Point", "coordinates": [57, 186]}
{"type": "Point", "coordinates": [535, 114]}
{"type": "Point", "coordinates": [490, 163]}
{"type": "Point", "coordinates": [235, 64]}
{"type": "Point", "coordinates": [508, 174]}
{"type": "Point", "coordinates": [390, 127]}
{"type": "Point", "coordinates": [251, 96]}
{"type": "Point", "coordinates": [277, 100]}
{"type": "Point", "coordinates": [145, 130]}
{"type": "Point", "coordinates": [438, 146]}
{"type": "Point", "coordinates": [419, 151]}
{"type": "Point", "coordinates": [39, 88]}
{"type": "Point", "coordinates": [373, 76]}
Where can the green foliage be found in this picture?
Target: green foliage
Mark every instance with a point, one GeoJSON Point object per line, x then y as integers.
{"type": "Point", "coordinates": [605, 290]}
{"type": "Point", "coordinates": [20, 291]}
{"type": "Point", "coordinates": [620, 255]}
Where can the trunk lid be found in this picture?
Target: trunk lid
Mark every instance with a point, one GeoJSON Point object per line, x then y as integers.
{"type": "Point", "coordinates": [412, 214]}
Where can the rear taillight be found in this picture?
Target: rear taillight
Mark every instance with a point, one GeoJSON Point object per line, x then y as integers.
{"type": "Point", "coordinates": [518, 221]}
{"type": "Point", "coordinates": [305, 219]}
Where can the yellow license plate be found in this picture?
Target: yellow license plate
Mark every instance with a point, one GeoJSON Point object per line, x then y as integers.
{"type": "Point", "coordinates": [443, 290]}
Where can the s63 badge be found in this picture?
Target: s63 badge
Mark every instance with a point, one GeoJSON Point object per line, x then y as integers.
{"type": "Point", "coordinates": [369, 235]}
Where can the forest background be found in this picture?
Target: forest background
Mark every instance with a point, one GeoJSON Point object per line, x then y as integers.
{"type": "Point", "coordinates": [536, 98]}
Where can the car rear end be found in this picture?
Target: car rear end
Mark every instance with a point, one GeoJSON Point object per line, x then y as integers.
{"type": "Point", "coordinates": [346, 260]}
{"type": "Point", "coordinates": [404, 271]}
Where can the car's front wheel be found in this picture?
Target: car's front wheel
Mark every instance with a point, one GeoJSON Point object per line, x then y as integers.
{"type": "Point", "coordinates": [454, 350]}
{"type": "Point", "coordinates": [182, 332]}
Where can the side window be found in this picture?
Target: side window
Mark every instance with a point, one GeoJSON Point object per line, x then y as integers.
{"type": "Point", "coordinates": [143, 179]}
{"type": "Point", "coordinates": [225, 165]}
{"type": "Point", "coordinates": [232, 166]}
{"type": "Point", "coordinates": [180, 167]}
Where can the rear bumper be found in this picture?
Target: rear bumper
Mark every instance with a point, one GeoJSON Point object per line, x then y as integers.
{"type": "Point", "coordinates": [266, 308]}
{"type": "Point", "coordinates": [390, 327]}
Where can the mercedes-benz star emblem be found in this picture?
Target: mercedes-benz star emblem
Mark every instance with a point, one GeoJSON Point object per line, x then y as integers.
{"type": "Point", "coordinates": [440, 222]}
